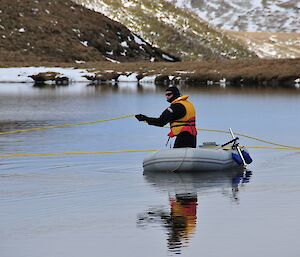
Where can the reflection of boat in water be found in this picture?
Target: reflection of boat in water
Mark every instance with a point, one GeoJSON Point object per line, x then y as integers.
{"type": "Point", "coordinates": [197, 182]}
{"type": "Point", "coordinates": [183, 188]}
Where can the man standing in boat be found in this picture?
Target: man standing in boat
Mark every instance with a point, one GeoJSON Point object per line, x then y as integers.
{"type": "Point", "coordinates": [181, 115]}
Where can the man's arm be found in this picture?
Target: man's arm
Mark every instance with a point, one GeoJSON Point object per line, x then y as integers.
{"type": "Point", "coordinates": [175, 111]}
{"type": "Point", "coordinates": [163, 119]}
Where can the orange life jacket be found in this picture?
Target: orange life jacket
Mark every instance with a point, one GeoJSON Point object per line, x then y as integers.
{"type": "Point", "coordinates": [186, 123]}
{"type": "Point", "coordinates": [187, 212]}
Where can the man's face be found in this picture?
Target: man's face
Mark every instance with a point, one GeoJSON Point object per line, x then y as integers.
{"type": "Point", "coordinates": [169, 95]}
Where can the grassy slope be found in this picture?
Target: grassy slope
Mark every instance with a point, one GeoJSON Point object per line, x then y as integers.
{"type": "Point", "coordinates": [174, 30]}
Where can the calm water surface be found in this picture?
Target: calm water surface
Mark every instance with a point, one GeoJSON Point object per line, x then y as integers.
{"type": "Point", "coordinates": [103, 205]}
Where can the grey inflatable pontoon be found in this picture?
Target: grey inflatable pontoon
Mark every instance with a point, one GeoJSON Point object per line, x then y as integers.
{"type": "Point", "coordinates": [188, 159]}
{"type": "Point", "coordinates": [204, 158]}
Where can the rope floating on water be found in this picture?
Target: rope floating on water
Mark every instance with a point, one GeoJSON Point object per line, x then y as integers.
{"type": "Point", "coordinates": [6, 156]}
{"type": "Point", "coordinates": [65, 125]}
{"type": "Point", "coordinates": [73, 153]}
{"type": "Point", "coordinates": [250, 137]}
{"type": "Point", "coordinates": [278, 146]}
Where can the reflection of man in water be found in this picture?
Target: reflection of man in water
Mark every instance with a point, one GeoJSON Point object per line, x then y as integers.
{"type": "Point", "coordinates": [180, 222]}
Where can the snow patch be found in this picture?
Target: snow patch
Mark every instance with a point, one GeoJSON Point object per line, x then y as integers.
{"type": "Point", "coordinates": [128, 4]}
{"type": "Point", "coordinates": [167, 57]}
{"type": "Point", "coordinates": [85, 43]}
{"type": "Point", "coordinates": [148, 79]}
{"type": "Point", "coordinates": [130, 78]}
{"type": "Point", "coordinates": [12, 75]}
{"type": "Point", "coordinates": [138, 40]}
{"type": "Point", "coordinates": [124, 44]}
{"type": "Point", "coordinates": [111, 60]}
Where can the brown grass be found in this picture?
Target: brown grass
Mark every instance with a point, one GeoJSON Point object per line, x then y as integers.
{"type": "Point", "coordinates": [259, 71]}
{"type": "Point", "coordinates": [62, 31]}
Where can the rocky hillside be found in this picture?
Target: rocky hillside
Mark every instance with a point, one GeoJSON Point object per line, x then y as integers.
{"type": "Point", "coordinates": [268, 28]}
{"type": "Point", "coordinates": [173, 29]}
{"type": "Point", "coordinates": [271, 45]}
{"type": "Point", "coordinates": [248, 16]}
{"type": "Point", "coordinates": [62, 31]}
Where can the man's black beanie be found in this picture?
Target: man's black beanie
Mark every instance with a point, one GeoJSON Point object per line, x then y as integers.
{"type": "Point", "coordinates": [175, 91]}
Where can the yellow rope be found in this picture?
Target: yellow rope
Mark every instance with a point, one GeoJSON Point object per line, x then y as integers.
{"type": "Point", "coordinates": [214, 130]}
{"type": "Point", "coordinates": [253, 138]}
{"type": "Point", "coordinates": [64, 125]}
{"type": "Point", "coordinates": [268, 142]}
{"type": "Point", "coordinates": [273, 148]}
{"type": "Point", "coordinates": [72, 153]}
{"type": "Point", "coordinates": [278, 146]}
{"type": "Point", "coordinates": [5, 156]}
{"type": "Point", "coordinates": [132, 115]}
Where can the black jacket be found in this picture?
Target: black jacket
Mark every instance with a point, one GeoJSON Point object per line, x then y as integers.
{"type": "Point", "coordinates": [174, 112]}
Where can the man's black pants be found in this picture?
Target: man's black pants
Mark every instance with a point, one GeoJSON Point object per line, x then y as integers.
{"type": "Point", "coordinates": [185, 139]}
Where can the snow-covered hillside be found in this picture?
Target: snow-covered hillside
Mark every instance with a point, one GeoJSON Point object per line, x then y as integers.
{"type": "Point", "coordinates": [174, 30]}
{"type": "Point", "coordinates": [181, 31]}
{"type": "Point", "coordinates": [251, 16]}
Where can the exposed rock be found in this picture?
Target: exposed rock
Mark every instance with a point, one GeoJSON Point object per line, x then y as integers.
{"type": "Point", "coordinates": [103, 77]}
{"type": "Point", "coordinates": [43, 77]}
{"type": "Point", "coordinates": [162, 80]}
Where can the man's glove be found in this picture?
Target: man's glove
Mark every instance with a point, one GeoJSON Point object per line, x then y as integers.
{"type": "Point", "coordinates": [141, 117]}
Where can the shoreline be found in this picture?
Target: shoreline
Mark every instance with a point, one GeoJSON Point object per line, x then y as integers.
{"type": "Point", "coordinates": [259, 72]}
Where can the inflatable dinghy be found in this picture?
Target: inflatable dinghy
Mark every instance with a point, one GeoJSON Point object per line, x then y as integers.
{"type": "Point", "coordinates": [203, 158]}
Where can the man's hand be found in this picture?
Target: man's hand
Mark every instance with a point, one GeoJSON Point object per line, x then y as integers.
{"type": "Point", "coordinates": [141, 117]}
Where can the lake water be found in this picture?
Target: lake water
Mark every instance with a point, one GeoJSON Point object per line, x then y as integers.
{"type": "Point", "coordinates": [102, 204]}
